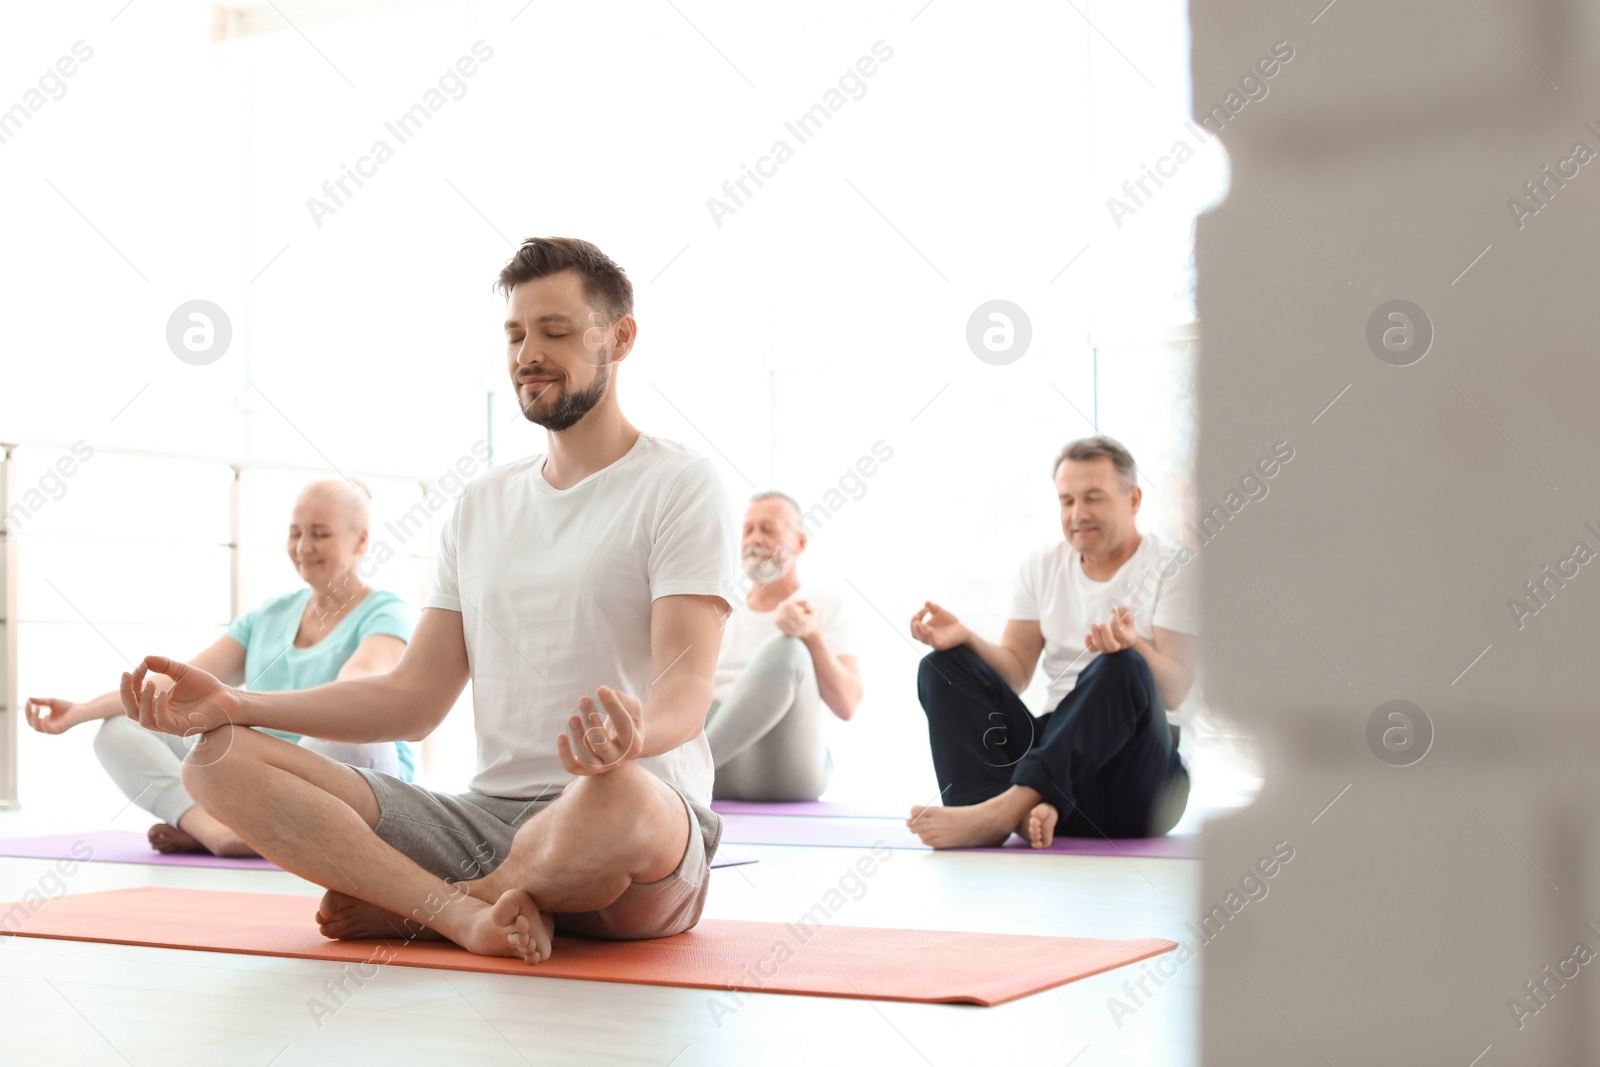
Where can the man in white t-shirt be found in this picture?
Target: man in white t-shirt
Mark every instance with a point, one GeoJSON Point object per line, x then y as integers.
{"type": "Point", "coordinates": [581, 592]}
{"type": "Point", "coordinates": [1113, 611]}
{"type": "Point", "coordinates": [786, 656]}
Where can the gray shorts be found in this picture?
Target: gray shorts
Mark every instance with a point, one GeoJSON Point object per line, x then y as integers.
{"type": "Point", "coordinates": [463, 836]}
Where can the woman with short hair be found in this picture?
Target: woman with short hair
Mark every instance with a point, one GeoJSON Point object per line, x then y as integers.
{"type": "Point", "coordinates": [336, 627]}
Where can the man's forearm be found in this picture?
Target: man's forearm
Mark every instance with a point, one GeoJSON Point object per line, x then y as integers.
{"type": "Point", "coordinates": [675, 713]}
{"type": "Point", "coordinates": [355, 711]}
{"type": "Point", "coordinates": [1172, 677]}
{"type": "Point", "coordinates": [841, 690]}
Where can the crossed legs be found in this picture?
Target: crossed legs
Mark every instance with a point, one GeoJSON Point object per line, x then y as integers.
{"type": "Point", "coordinates": [1103, 763]}
{"type": "Point", "coordinates": [767, 736]}
{"type": "Point", "coordinates": [317, 818]}
{"type": "Point", "coordinates": [147, 766]}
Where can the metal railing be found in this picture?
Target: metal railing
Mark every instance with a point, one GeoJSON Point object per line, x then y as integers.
{"type": "Point", "coordinates": [11, 709]}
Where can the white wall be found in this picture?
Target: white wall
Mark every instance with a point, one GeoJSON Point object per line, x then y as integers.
{"type": "Point", "coordinates": [826, 314]}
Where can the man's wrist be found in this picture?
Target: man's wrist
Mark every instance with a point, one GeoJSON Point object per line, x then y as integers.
{"type": "Point", "coordinates": [245, 711]}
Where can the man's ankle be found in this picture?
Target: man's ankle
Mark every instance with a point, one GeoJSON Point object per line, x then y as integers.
{"type": "Point", "coordinates": [1019, 799]}
{"type": "Point", "coordinates": [489, 888]}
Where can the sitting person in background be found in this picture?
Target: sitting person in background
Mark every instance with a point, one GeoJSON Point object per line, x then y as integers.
{"type": "Point", "coordinates": [785, 656]}
{"type": "Point", "coordinates": [1114, 612]}
{"type": "Point", "coordinates": [336, 627]}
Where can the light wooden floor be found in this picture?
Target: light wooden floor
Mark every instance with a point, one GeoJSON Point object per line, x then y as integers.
{"type": "Point", "coordinates": [67, 1002]}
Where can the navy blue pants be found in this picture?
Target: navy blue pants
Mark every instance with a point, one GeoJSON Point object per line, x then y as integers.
{"type": "Point", "coordinates": [1105, 757]}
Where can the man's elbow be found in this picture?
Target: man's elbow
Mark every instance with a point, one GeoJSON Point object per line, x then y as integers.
{"type": "Point", "coordinates": [422, 722]}
{"type": "Point", "coordinates": [417, 728]}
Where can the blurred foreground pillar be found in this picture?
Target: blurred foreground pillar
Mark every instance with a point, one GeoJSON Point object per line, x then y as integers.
{"type": "Point", "coordinates": [1400, 295]}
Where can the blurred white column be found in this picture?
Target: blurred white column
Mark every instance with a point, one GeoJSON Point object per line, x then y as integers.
{"type": "Point", "coordinates": [1371, 295]}
{"type": "Point", "coordinates": [10, 705]}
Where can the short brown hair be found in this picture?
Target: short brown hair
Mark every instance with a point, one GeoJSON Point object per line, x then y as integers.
{"type": "Point", "coordinates": [605, 285]}
{"type": "Point", "coordinates": [1101, 447]}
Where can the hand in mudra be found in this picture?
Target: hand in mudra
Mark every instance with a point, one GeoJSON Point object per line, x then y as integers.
{"type": "Point", "coordinates": [1113, 636]}
{"type": "Point", "coordinates": [52, 715]}
{"type": "Point", "coordinates": [195, 703]}
{"type": "Point", "coordinates": [938, 627]}
{"type": "Point", "coordinates": [594, 742]}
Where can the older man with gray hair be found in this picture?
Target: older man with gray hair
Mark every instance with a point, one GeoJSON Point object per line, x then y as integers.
{"type": "Point", "coordinates": [786, 656]}
{"type": "Point", "coordinates": [1114, 613]}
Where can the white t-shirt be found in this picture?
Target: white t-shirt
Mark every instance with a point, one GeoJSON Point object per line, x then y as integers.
{"type": "Point", "coordinates": [1157, 582]}
{"type": "Point", "coordinates": [747, 630]}
{"type": "Point", "coordinates": [555, 587]}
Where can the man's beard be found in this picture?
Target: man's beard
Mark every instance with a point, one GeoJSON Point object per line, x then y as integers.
{"type": "Point", "coordinates": [570, 407]}
{"type": "Point", "coordinates": [764, 568]}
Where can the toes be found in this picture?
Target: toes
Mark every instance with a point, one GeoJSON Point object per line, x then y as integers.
{"type": "Point", "coordinates": [542, 947]}
{"type": "Point", "coordinates": [336, 910]}
{"type": "Point", "coordinates": [333, 904]}
{"type": "Point", "coordinates": [518, 935]}
{"type": "Point", "coordinates": [526, 929]}
{"type": "Point", "coordinates": [1041, 826]}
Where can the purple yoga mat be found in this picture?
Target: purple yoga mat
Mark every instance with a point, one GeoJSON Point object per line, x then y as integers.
{"type": "Point", "coordinates": [809, 808]}
{"type": "Point", "coordinates": [118, 846]}
{"type": "Point", "coordinates": [738, 829]}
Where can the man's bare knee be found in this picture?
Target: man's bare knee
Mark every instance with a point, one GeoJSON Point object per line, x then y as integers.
{"type": "Point", "coordinates": [618, 792]}
{"type": "Point", "coordinates": [590, 809]}
{"type": "Point", "coordinates": [617, 808]}
{"type": "Point", "coordinates": [216, 760]}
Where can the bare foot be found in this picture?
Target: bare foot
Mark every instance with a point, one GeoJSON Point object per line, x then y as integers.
{"type": "Point", "coordinates": [346, 918]}
{"type": "Point", "coordinates": [975, 826]}
{"type": "Point", "coordinates": [512, 926]}
{"type": "Point", "coordinates": [1040, 828]}
{"type": "Point", "coordinates": [529, 930]}
{"type": "Point", "coordinates": [169, 839]}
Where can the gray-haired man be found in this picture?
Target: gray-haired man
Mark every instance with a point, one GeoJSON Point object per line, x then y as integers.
{"type": "Point", "coordinates": [787, 658]}
{"type": "Point", "coordinates": [1114, 614]}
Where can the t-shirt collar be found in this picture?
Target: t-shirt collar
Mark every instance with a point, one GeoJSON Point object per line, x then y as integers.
{"type": "Point", "coordinates": [544, 486]}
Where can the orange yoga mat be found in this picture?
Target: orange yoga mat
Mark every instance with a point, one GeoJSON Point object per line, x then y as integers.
{"type": "Point", "coordinates": [936, 966]}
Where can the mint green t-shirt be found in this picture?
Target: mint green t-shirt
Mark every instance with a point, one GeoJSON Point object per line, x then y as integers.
{"type": "Point", "coordinates": [273, 665]}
